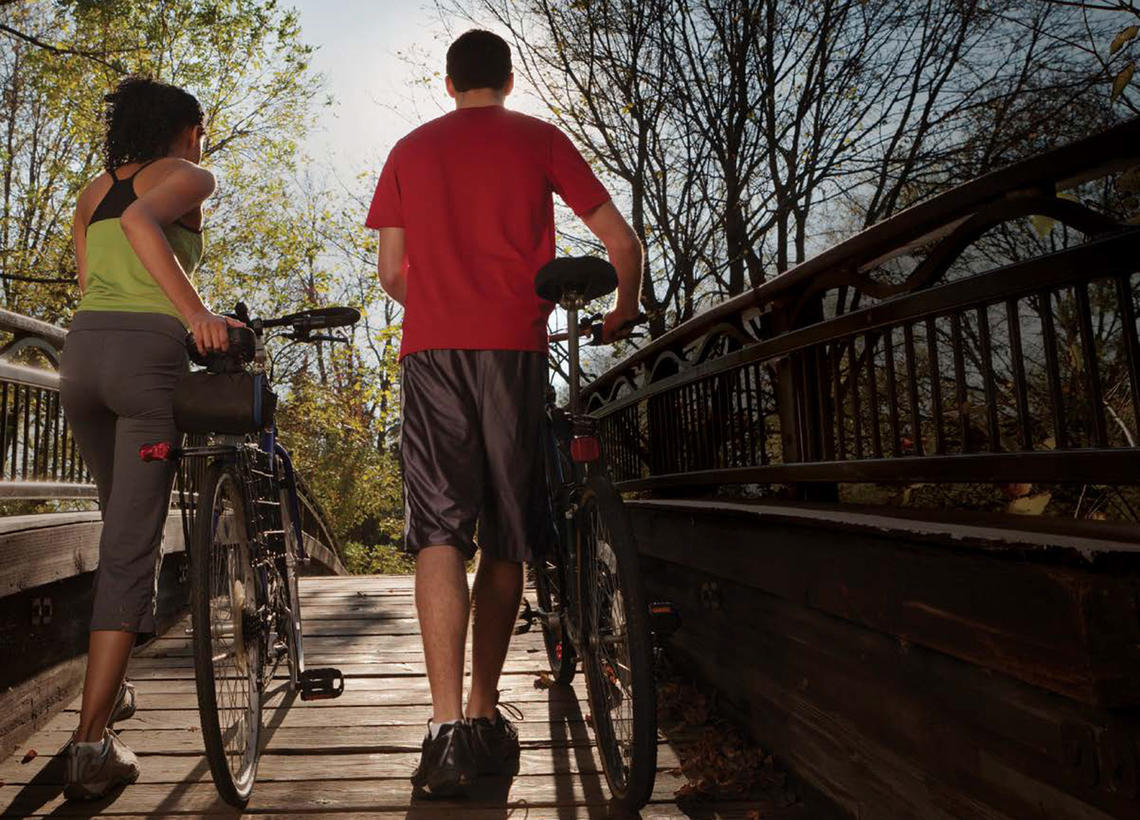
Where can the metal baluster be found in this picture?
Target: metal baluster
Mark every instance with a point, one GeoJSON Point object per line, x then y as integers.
{"type": "Point", "coordinates": [988, 379]}
{"type": "Point", "coordinates": [892, 392]}
{"type": "Point", "coordinates": [3, 425]}
{"type": "Point", "coordinates": [853, 391]}
{"type": "Point", "coordinates": [935, 386]}
{"type": "Point", "coordinates": [27, 427]}
{"type": "Point", "coordinates": [37, 441]}
{"type": "Point", "coordinates": [1092, 369]}
{"type": "Point", "coordinates": [1053, 366]}
{"type": "Point", "coordinates": [912, 385]}
{"type": "Point", "coordinates": [1016, 358]}
{"type": "Point", "coordinates": [870, 342]}
{"type": "Point", "coordinates": [840, 424]}
{"type": "Point", "coordinates": [960, 383]}
{"type": "Point", "coordinates": [823, 390]}
{"type": "Point", "coordinates": [1131, 344]}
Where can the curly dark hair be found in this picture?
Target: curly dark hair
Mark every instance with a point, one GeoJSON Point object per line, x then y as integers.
{"type": "Point", "coordinates": [143, 117]}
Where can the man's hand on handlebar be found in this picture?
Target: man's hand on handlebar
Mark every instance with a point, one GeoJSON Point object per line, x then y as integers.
{"type": "Point", "coordinates": [211, 331]}
{"type": "Point", "coordinates": [619, 324]}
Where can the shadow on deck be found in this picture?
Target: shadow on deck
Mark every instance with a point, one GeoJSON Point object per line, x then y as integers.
{"type": "Point", "coordinates": [351, 756]}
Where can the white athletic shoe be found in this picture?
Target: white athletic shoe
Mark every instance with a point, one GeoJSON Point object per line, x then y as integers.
{"type": "Point", "coordinates": [94, 769]}
{"type": "Point", "coordinates": [124, 707]}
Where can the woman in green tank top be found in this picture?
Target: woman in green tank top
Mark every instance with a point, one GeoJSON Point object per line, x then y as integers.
{"type": "Point", "coordinates": [138, 239]}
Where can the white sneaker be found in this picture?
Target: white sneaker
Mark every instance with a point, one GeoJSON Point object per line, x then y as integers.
{"type": "Point", "coordinates": [94, 769]}
{"type": "Point", "coordinates": [124, 707]}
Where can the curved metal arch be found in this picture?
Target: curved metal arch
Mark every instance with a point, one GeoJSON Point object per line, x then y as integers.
{"type": "Point", "coordinates": [949, 249]}
{"type": "Point", "coordinates": [667, 357]}
{"type": "Point", "coordinates": [50, 352]}
{"type": "Point", "coordinates": [945, 253]}
{"type": "Point", "coordinates": [718, 333]}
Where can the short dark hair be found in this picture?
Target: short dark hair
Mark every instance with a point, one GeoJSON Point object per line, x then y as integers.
{"type": "Point", "coordinates": [479, 59]}
{"type": "Point", "coordinates": [143, 117]}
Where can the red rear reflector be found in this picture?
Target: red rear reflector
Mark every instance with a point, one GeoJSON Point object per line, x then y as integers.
{"type": "Point", "coordinates": [159, 451]}
{"type": "Point", "coordinates": [585, 448]}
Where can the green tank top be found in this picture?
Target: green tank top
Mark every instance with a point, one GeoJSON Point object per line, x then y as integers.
{"type": "Point", "coordinates": [116, 278]}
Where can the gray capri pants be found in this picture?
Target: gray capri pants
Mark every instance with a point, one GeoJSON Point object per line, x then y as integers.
{"type": "Point", "coordinates": [116, 384]}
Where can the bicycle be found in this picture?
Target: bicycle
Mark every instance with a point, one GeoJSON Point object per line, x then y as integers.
{"type": "Point", "coordinates": [590, 599]}
{"type": "Point", "coordinates": [242, 523]}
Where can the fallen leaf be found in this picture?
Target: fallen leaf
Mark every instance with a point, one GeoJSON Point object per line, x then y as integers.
{"type": "Point", "coordinates": [544, 680]}
{"type": "Point", "coordinates": [1030, 505]}
{"type": "Point", "coordinates": [1122, 80]}
{"type": "Point", "coordinates": [1123, 37]}
{"type": "Point", "coordinates": [30, 755]}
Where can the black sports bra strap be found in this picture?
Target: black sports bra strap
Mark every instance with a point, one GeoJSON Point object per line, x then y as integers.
{"type": "Point", "coordinates": [145, 164]}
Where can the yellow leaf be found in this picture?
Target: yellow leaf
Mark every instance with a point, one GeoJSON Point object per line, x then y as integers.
{"type": "Point", "coordinates": [1123, 37]}
{"type": "Point", "coordinates": [1030, 504]}
{"type": "Point", "coordinates": [1122, 80]}
{"type": "Point", "coordinates": [1042, 225]}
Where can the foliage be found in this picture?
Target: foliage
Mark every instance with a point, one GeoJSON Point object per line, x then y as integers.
{"type": "Point", "coordinates": [276, 238]}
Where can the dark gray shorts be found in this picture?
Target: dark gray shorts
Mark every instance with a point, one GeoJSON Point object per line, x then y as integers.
{"type": "Point", "coordinates": [116, 384]}
{"type": "Point", "coordinates": [471, 451]}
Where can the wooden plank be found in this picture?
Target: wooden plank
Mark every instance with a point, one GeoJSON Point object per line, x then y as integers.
{"type": "Point", "coordinates": [297, 740]}
{"type": "Point", "coordinates": [59, 546]}
{"type": "Point", "coordinates": [44, 769]}
{"type": "Point", "coordinates": [300, 715]}
{"type": "Point", "coordinates": [394, 792]}
{"type": "Point", "coordinates": [1069, 629]}
{"type": "Point", "coordinates": [889, 729]}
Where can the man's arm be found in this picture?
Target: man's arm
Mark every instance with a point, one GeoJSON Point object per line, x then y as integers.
{"type": "Point", "coordinates": [390, 264]}
{"type": "Point", "coordinates": [628, 258]}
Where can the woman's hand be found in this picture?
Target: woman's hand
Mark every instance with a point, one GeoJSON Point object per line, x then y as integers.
{"type": "Point", "coordinates": [211, 331]}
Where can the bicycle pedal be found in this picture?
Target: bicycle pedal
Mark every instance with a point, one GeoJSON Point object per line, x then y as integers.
{"type": "Point", "coordinates": [321, 684]}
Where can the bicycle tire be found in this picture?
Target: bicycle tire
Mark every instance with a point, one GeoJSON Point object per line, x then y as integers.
{"type": "Point", "coordinates": [295, 631]}
{"type": "Point", "coordinates": [227, 681]}
{"type": "Point", "coordinates": [549, 577]}
{"type": "Point", "coordinates": [619, 677]}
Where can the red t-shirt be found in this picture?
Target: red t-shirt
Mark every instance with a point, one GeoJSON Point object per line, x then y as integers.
{"type": "Point", "coordinates": [472, 191]}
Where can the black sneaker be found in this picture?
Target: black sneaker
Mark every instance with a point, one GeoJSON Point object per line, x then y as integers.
{"type": "Point", "coordinates": [496, 743]}
{"type": "Point", "coordinates": [447, 765]}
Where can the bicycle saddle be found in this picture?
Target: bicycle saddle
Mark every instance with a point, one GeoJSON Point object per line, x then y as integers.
{"type": "Point", "coordinates": [586, 276]}
{"type": "Point", "coordinates": [242, 348]}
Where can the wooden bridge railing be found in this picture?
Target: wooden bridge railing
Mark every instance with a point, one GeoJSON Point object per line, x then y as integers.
{"type": "Point", "coordinates": [905, 662]}
{"type": "Point", "coordinates": [904, 354]}
{"type": "Point", "coordinates": [49, 535]}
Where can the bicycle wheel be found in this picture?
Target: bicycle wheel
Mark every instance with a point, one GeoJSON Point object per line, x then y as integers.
{"type": "Point", "coordinates": [227, 639]}
{"type": "Point", "coordinates": [551, 572]}
{"type": "Point", "coordinates": [618, 657]}
{"type": "Point", "coordinates": [293, 631]}
{"type": "Point", "coordinates": [549, 577]}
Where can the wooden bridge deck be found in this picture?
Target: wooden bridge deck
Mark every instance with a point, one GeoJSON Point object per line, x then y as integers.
{"type": "Point", "coordinates": [351, 756]}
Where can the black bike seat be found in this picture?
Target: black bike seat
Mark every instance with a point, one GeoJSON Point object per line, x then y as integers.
{"type": "Point", "coordinates": [585, 276]}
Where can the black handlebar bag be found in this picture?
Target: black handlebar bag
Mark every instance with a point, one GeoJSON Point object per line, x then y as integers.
{"type": "Point", "coordinates": [234, 403]}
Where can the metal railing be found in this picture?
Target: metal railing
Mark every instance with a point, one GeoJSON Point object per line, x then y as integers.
{"type": "Point", "coordinates": [39, 459]}
{"type": "Point", "coordinates": [853, 367]}
{"type": "Point", "coordinates": [38, 455]}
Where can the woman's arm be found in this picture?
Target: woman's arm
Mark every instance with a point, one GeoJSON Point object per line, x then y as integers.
{"type": "Point", "coordinates": [79, 239]}
{"type": "Point", "coordinates": [183, 189]}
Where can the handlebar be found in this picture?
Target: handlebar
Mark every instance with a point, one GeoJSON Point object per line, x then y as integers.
{"type": "Point", "coordinates": [243, 340]}
{"type": "Point", "coordinates": [590, 327]}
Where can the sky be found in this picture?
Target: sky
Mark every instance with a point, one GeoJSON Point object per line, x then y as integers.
{"type": "Point", "coordinates": [363, 52]}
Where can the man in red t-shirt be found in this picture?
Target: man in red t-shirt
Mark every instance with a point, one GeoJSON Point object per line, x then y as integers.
{"type": "Point", "coordinates": [466, 218]}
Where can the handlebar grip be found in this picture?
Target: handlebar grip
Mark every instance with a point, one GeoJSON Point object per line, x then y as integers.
{"type": "Point", "coordinates": [243, 345]}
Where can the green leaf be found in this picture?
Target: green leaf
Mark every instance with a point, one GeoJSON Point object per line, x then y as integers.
{"type": "Point", "coordinates": [1123, 37]}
